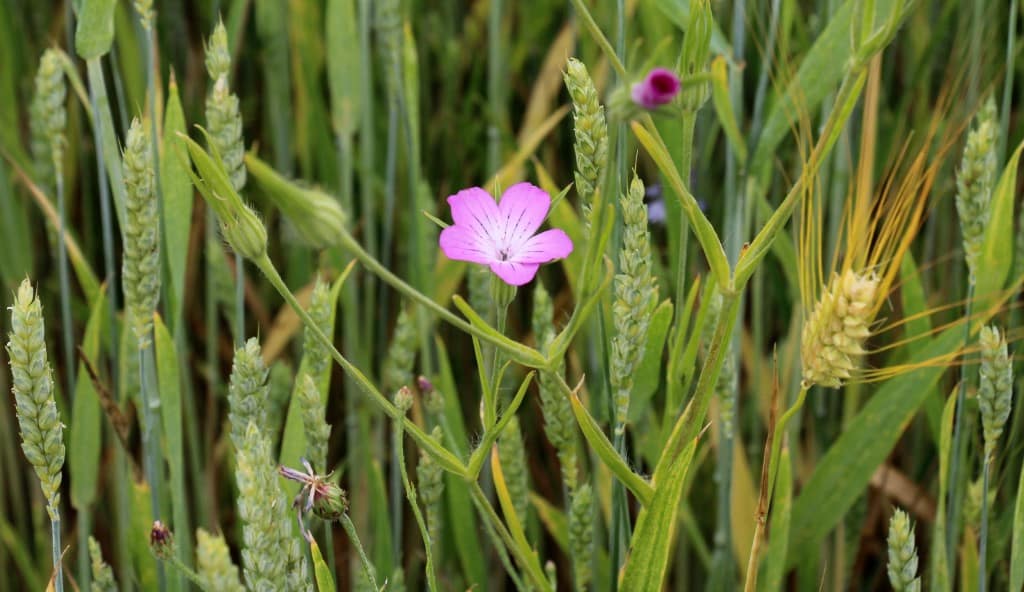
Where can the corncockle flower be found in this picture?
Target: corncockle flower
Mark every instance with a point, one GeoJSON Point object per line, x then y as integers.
{"type": "Point", "coordinates": [501, 235]}
{"type": "Point", "coordinates": [658, 88]}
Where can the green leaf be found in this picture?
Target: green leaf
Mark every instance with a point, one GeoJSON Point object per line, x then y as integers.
{"type": "Point", "coordinates": [1017, 552]}
{"type": "Point", "coordinates": [940, 577]}
{"type": "Point", "coordinates": [651, 543]}
{"type": "Point", "coordinates": [169, 381]}
{"type": "Point", "coordinates": [177, 206]}
{"type": "Point", "coordinates": [95, 32]}
{"type": "Point", "coordinates": [17, 261]}
{"type": "Point", "coordinates": [86, 431]}
{"type": "Point", "coordinates": [679, 13]}
{"type": "Point", "coordinates": [324, 580]}
{"type": "Point", "coordinates": [104, 126]}
{"type": "Point", "coordinates": [648, 373]}
{"type": "Point", "coordinates": [723, 108]}
{"type": "Point", "coordinates": [918, 325]}
{"type": "Point", "coordinates": [821, 69]}
{"type": "Point", "coordinates": [343, 74]}
{"type": "Point", "coordinates": [996, 248]}
{"type": "Point", "coordinates": [461, 523]}
{"type": "Point", "coordinates": [141, 524]}
{"type": "Point", "coordinates": [773, 566]}
{"type": "Point", "coordinates": [604, 450]}
{"type": "Point", "coordinates": [845, 470]}
{"type": "Point", "coordinates": [553, 519]}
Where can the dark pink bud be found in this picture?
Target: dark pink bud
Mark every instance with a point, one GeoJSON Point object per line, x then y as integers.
{"type": "Point", "coordinates": [658, 88]}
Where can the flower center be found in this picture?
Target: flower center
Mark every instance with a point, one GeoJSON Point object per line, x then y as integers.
{"type": "Point", "coordinates": [503, 255]}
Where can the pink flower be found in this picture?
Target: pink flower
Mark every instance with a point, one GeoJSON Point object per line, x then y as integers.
{"type": "Point", "coordinates": [658, 88]}
{"type": "Point", "coordinates": [501, 235]}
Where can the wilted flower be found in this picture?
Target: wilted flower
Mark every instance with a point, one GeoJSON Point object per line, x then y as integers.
{"type": "Point", "coordinates": [161, 541]}
{"type": "Point", "coordinates": [324, 498]}
{"type": "Point", "coordinates": [658, 88]}
{"type": "Point", "coordinates": [501, 235]}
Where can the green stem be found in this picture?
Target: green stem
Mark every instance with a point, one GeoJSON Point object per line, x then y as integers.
{"type": "Point", "coordinates": [368, 204]}
{"type": "Point", "coordinates": [956, 448]}
{"type": "Point", "coordinates": [1004, 112]}
{"type": "Point", "coordinates": [67, 331]}
{"type": "Point", "coordinates": [410, 494]}
{"type": "Point", "coordinates": [983, 549]}
{"type": "Point", "coordinates": [519, 352]}
{"type": "Point", "coordinates": [444, 458]}
{"type": "Point", "coordinates": [350, 529]}
{"type": "Point", "coordinates": [55, 554]}
{"type": "Point", "coordinates": [778, 434]}
{"type": "Point", "coordinates": [151, 440]}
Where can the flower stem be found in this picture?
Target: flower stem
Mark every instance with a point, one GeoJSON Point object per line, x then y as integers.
{"type": "Point", "coordinates": [350, 529]}
{"type": "Point", "coordinates": [768, 474]}
{"type": "Point", "coordinates": [519, 352]}
{"type": "Point", "coordinates": [983, 548]}
{"type": "Point", "coordinates": [410, 494]}
{"type": "Point", "coordinates": [441, 454]}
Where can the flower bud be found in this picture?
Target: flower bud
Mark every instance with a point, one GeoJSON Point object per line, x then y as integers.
{"type": "Point", "coordinates": [161, 541]}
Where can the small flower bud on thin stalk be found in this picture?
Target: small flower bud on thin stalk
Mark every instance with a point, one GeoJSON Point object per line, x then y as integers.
{"type": "Point", "coordinates": [102, 575]}
{"type": "Point", "coordinates": [214, 565]}
{"type": "Point", "coordinates": [141, 262]}
{"type": "Point", "coordinates": [975, 182]}
{"type": "Point", "coordinates": [42, 433]}
{"type": "Point", "coordinates": [902, 565]}
{"type": "Point", "coordinates": [591, 133]}
{"type": "Point", "coordinates": [635, 296]}
{"type": "Point", "coordinates": [161, 541]}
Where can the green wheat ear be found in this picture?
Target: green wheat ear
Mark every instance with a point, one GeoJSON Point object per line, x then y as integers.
{"type": "Point", "coordinates": [902, 566]}
{"type": "Point", "coordinates": [102, 575]}
{"type": "Point", "coordinates": [559, 423]}
{"type": "Point", "coordinates": [214, 565]}
{"type": "Point", "coordinates": [975, 181]}
{"type": "Point", "coordinates": [995, 390]}
{"type": "Point", "coordinates": [591, 133]}
{"type": "Point", "coordinates": [141, 262]}
{"type": "Point", "coordinates": [401, 355]}
{"type": "Point", "coordinates": [223, 119]}
{"type": "Point", "coordinates": [42, 433]}
{"type": "Point", "coordinates": [47, 118]}
{"type": "Point", "coordinates": [636, 292]}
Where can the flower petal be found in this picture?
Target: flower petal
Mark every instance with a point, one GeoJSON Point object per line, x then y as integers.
{"type": "Point", "coordinates": [523, 207]}
{"type": "Point", "coordinates": [544, 247]}
{"type": "Point", "coordinates": [475, 210]}
{"type": "Point", "coordinates": [515, 273]}
{"type": "Point", "coordinates": [462, 244]}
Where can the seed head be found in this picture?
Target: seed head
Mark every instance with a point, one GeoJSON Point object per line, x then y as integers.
{"type": "Point", "coordinates": [834, 334]}
{"type": "Point", "coordinates": [591, 132]}
{"type": "Point", "coordinates": [902, 566]}
{"type": "Point", "coordinates": [48, 116]}
{"type": "Point", "coordinates": [42, 433]}
{"type": "Point", "coordinates": [995, 391]}
{"type": "Point", "coordinates": [141, 262]}
{"type": "Point", "coordinates": [214, 565]}
{"type": "Point", "coordinates": [975, 182]}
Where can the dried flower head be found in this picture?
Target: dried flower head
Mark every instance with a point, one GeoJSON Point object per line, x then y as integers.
{"type": "Point", "coordinates": [501, 235]}
{"type": "Point", "coordinates": [322, 496]}
{"type": "Point", "coordinates": [161, 541]}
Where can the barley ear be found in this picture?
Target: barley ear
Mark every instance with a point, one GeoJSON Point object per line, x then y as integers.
{"type": "Point", "coordinates": [834, 333]}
